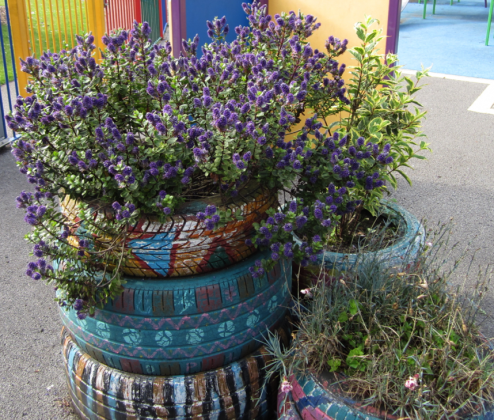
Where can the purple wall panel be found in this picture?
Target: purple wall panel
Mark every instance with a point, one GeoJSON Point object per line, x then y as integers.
{"type": "Point", "coordinates": [393, 26]}
{"type": "Point", "coordinates": [176, 27]}
{"type": "Point", "coordinates": [183, 21]}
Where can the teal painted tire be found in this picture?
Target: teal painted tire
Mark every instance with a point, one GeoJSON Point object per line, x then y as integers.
{"type": "Point", "coordinates": [319, 397]}
{"type": "Point", "coordinates": [188, 325]}
{"type": "Point", "coordinates": [404, 251]}
{"type": "Point", "coordinates": [101, 392]}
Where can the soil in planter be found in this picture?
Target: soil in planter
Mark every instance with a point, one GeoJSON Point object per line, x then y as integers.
{"type": "Point", "coordinates": [369, 233]}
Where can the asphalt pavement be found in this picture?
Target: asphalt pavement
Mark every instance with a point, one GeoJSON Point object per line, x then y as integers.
{"type": "Point", "coordinates": [456, 181]}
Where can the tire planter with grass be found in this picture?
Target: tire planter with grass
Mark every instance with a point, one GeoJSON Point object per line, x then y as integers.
{"type": "Point", "coordinates": [185, 325]}
{"type": "Point", "coordinates": [320, 397]}
{"type": "Point", "coordinates": [404, 250]}
{"type": "Point", "coordinates": [182, 246]}
{"type": "Point", "coordinates": [236, 391]}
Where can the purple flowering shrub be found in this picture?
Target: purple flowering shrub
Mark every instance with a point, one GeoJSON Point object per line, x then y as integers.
{"type": "Point", "coordinates": [143, 132]}
{"type": "Point", "coordinates": [345, 173]}
{"type": "Point", "coordinates": [333, 174]}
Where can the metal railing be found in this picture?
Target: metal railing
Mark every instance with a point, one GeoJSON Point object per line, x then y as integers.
{"type": "Point", "coordinates": [53, 24]}
{"type": "Point", "coordinates": [122, 13]}
{"type": "Point", "coordinates": [9, 88]}
{"type": "Point", "coordinates": [30, 27]}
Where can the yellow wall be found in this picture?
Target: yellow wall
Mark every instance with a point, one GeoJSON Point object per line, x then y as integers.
{"type": "Point", "coordinates": [337, 18]}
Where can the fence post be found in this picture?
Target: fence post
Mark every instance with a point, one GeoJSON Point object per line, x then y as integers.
{"type": "Point", "coordinates": [20, 39]}
{"type": "Point", "coordinates": [137, 11]}
{"type": "Point", "coordinates": [96, 23]}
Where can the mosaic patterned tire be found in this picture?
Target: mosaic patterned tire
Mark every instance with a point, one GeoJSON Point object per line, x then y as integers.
{"type": "Point", "coordinates": [317, 397]}
{"type": "Point", "coordinates": [182, 246]}
{"type": "Point", "coordinates": [231, 392]}
{"type": "Point", "coordinates": [187, 325]}
{"type": "Point", "coordinates": [404, 250]}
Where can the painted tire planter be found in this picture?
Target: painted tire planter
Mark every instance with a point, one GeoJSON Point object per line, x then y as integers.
{"type": "Point", "coordinates": [102, 392]}
{"type": "Point", "coordinates": [404, 250]}
{"type": "Point", "coordinates": [319, 397]}
{"type": "Point", "coordinates": [182, 246]}
{"type": "Point", "coordinates": [187, 325]}
{"type": "Point", "coordinates": [286, 407]}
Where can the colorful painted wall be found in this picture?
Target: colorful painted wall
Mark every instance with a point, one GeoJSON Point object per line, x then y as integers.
{"type": "Point", "coordinates": [187, 17]}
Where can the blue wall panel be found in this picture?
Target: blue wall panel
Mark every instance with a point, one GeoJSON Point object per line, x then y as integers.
{"type": "Point", "coordinates": [198, 11]}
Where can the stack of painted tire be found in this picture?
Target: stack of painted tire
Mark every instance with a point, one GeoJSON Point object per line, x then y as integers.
{"type": "Point", "coordinates": [197, 337]}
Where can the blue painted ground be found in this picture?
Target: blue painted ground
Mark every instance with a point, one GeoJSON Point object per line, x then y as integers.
{"type": "Point", "coordinates": [452, 40]}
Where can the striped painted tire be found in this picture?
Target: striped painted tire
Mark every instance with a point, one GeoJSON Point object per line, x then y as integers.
{"type": "Point", "coordinates": [185, 326]}
{"type": "Point", "coordinates": [101, 392]}
{"type": "Point", "coordinates": [182, 246]}
{"type": "Point", "coordinates": [404, 250]}
{"type": "Point", "coordinates": [319, 397]}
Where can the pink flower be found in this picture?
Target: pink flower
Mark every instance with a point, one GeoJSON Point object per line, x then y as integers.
{"type": "Point", "coordinates": [286, 386]}
{"type": "Point", "coordinates": [429, 244]}
{"type": "Point", "coordinates": [412, 382]}
{"type": "Point", "coordinates": [306, 292]}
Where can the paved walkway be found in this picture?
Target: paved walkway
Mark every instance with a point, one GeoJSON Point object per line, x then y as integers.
{"type": "Point", "coordinates": [455, 181]}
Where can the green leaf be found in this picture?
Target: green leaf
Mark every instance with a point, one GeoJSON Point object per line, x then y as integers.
{"type": "Point", "coordinates": [343, 317]}
{"type": "Point", "coordinates": [361, 33]}
{"type": "Point", "coordinates": [404, 176]}
{"type": "Point", "coordinates": [334, 364]}
{"type": "Point", "coordinates": [353, 307]}
{"type": "Point", "coordinates": [371, 36]}
{"type": "Point", "coordinates": [357, 56]}
{"type": "Point", "coordinates": [354, 360]}
{"type": "Point", "coordinates": [238, 215]}
{"type": "Point", "coordinates": [454, 337]}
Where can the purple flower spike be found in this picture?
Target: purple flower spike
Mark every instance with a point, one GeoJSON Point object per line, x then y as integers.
{"type": "Point", "coordinates": [210, 210]}
{"type": "Point", "coordinates": [326, 223]}
{"type": "Point", "coordinates": [279, 217]}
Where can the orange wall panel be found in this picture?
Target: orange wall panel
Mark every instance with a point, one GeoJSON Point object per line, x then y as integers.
{"type": "Point", "coordinates": [337, 18]}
